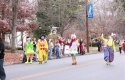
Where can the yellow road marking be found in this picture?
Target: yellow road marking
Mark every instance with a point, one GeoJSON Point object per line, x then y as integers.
{"type": "Point", "coordinates": [57, 70]}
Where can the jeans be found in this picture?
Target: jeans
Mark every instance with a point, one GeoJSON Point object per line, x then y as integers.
{"type": "Point", "coordinates": [50, 52]}
{"type": "Point", "coordinates": [2, 72]}
{"type": "Point", "coordinates": [57, 53]}
{"type": "Point", "coordinates": [120, 50]}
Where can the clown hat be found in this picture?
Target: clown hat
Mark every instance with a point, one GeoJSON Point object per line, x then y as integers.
{"type": "Point", "coordinates": [42, 35]}
{"type": "Point", "coordinates": [73, 35]}
{"type": "Point", "coordinates": [113, 35]}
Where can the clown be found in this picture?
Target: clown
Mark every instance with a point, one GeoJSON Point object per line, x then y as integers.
{"type": "Point", "coordinates": [73, 48]}
{"type": "Point", "coordinates": [109, 49]}
{"type": "Point", "coordinates": [42, 48]}
{"type": "Point", "coordinates": [29, 51]}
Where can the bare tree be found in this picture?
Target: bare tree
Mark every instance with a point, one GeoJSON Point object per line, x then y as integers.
{"type": "Point", "coordinates": [14, 22]}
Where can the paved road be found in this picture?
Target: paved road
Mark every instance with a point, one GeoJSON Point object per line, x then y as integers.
{"type": "Point", "coordinates": [89, 67]}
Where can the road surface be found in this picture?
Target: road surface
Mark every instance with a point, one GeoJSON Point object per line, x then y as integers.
{"type": "Point", "coordinates": [89, 67]}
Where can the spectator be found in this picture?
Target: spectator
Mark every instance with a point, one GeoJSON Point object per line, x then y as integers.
{"type": "Point", "coordinates": [99, 45]}
{"type": "Point", "coordinates": [61, 49]}
{"type": "Point", "coordinates": [81, 47]}
{"type": "Point", "coordinates": [120, 47]}
{"type": "Point", "coordinates": [34, 48]}
{"type": "Point", "coordinates": [57, 49]}
{"type": "Point", "coordinates": [51, 46]}
{"type": "Point", "coordinates": [2, 72]}
{"type": "Point", "coordinates": [124, 46]}
{"type": "Point", "coordinates": [24, 49]}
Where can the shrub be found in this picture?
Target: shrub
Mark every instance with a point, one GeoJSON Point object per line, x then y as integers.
{"type": "Point", "coordinates": [18, 48]}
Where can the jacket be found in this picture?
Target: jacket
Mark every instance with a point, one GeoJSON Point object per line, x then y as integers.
{"type": "Point", "coordinates": [1, 50]}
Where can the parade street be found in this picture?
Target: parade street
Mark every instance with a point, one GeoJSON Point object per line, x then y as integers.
{"type": "Point", "coordinates": [89, 67]}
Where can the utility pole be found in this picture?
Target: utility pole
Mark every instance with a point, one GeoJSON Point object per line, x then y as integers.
{"type": "Point", "coordinates": [87, 33]}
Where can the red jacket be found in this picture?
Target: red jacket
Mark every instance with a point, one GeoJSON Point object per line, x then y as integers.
{"type": "Point", "coordinates": [82, 47]}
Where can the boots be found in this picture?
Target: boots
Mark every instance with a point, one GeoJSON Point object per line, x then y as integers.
{"type": "Point", "coordinates": [27, 61]}
{"type": "Point", "coordinates": [31, 61]}
{"type": "Point", "coordinates": [74, 60]}
{"type": "Point", "coordinates": [74, 63]}
{"type": "Point", "coordinates": [45, 61]}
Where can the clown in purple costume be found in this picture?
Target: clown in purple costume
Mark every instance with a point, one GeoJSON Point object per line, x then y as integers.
{"type": "Point", "coordinates": [109, 49]}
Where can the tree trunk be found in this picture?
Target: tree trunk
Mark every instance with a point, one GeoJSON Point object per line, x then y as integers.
{"type": "Point", "coordinates": [0, 35]}
{"type": "Point", "coordinates": [3, 15]}
{"type": "Point", "coordinates": [15, 12]}
{"type": "Point", "coordinates": [61, 33]}
{"type": "Point", "coordinates": [3, 38]}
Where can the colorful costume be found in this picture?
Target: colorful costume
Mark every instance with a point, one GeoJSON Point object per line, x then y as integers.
{"type": "Point", "coordinates": [29, 51]}
{"type": "Point", "coordinates": [109, 49]}
{"type": "Point", "coordinates": [42, 48]}
{"type": "Point", "coordinates": [73, 48]}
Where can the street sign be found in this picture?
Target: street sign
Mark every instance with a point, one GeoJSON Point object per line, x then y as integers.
{"type": "Point", "coordinates": [90, 10]}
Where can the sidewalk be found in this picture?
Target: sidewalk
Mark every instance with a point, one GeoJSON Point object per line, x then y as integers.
{"type": "Point", "coordinates": [16, 58]}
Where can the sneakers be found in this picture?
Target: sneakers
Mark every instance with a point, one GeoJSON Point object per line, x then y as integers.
{"type": "Point", "coordinates": [40, 62]}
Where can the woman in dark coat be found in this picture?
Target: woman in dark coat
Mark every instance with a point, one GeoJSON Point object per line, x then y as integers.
{"type": "Point", "coordinates": [2, 72]}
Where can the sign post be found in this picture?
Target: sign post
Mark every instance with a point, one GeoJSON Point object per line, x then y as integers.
{"type": "Point", "coordinates": [89, 14]}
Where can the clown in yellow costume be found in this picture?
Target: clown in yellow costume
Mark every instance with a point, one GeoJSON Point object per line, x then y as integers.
{"type": "Point", "coordinates": [42, 48]}
{"type": "Point", "coordinates": [109, 49]}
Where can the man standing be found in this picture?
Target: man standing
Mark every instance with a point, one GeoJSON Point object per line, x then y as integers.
{"type": "Point", "coordinates": [34, 48]}
{"type": "Point", "coordinates": [2, 72]}
{"type": "Point", "coordinates": [99, 45]}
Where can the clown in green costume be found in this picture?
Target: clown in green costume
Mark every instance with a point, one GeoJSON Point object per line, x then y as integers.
{"type": "Point", "coordinates": [29, 51]}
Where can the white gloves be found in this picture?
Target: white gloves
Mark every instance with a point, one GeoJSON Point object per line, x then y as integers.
{"type": "Point", "coordinates": [102, 34]}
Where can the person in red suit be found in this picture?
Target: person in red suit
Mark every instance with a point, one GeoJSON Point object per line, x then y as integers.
{"type": "Point", "coordinates": [124, 46]}
{"type": "Point", "coordinates": [61, 40]}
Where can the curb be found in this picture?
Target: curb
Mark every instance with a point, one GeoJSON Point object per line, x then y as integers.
{"type": "Point", "coordinates": [13, 63]}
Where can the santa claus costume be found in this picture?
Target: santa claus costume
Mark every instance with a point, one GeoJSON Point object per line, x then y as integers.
{"type": "Point", "coordinates": [73, 48]}
{"type": "Point", "coordinates": [109, 49]}
{"type": "Point", "coordinates": [42, 48]}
